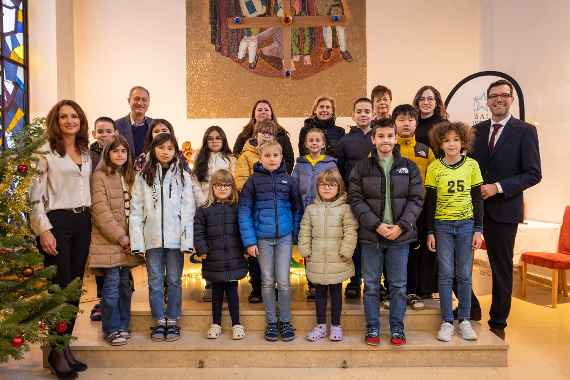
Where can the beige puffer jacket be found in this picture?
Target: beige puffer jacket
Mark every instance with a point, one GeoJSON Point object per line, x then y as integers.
{"type": "Point", "coordinates": [327, 240]}
{"type": "Point", "coordinates": [109, 223]}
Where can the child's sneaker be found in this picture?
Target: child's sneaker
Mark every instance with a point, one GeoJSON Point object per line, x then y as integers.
{"type": "Point", "coordinates": [317, 333]}
{"type": "Point", "coordinates": [445, 332]}
{"type": "Point", "coordinates": [254, 297]}
{"type": "Point", "coordinates": [466, 330]}
{"type": "Point", "coordinates": [287, 331]}
{"type": "Point", "coordinates": [158, 333]}
{"type": "Point", "coordinates": [372, 336]}
{"type": "Point", "coordinates": [238, 332]}
{"type": "Point", "coordinates": [115, 339]}
{"type": "Point", "coordinates": [125, 333]}
{"type": "Point", "coordinates": [96, 313]}
{"type": "Point", "coordinates": [398, 339]}
{"type": "Point", "coordinates": [336, 334]}
{"type": "Point", "coordinates": [386, 304]}
{"type": "Point", "coordinates": [415, 303]}
{"type": "Point", "coordinates": [214, 331]}
{"type": "Point", "coordinates": [271, 332]}
{"type": "Point", "coordinates": [172, 333]}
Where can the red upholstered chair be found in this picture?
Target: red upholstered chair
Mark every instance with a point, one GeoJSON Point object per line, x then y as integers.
{"type": "Point", "coordinates": [559, 261]}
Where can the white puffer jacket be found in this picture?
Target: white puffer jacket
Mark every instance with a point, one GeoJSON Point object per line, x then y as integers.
{"type": "Point", "coordinates": [162, 216]}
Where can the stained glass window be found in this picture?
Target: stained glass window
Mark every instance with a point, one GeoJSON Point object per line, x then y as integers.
{"type": "Point", "coordinates": [14, 69]}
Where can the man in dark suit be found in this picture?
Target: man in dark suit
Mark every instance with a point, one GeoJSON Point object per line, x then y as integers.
{"type": "Point", "coordinates": [134, 127]}
{"type": "Point", "coordinates": [507, 152]}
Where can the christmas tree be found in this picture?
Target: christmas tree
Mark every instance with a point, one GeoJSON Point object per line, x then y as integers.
{"type": "Point", "coordinates": [32, 310]}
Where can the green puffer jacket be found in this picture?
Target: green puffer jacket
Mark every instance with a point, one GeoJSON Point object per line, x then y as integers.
{"type": "Point", "coordinates": [327, 240]}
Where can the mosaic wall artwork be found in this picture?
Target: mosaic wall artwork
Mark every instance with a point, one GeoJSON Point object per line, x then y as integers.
{"type": "Point", "coordinates": [286, 51]}
{"type": "Point", "coordinates": [13, 93]}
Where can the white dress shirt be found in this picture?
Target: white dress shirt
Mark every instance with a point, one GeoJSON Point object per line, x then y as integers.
{"type": "Point", "coordinates": [497, 135]}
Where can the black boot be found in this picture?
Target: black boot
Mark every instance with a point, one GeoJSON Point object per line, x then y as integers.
{"type": "Point", "coordinates": [73, 362]}
{"type": "Point", "coordinates": [59, 366]}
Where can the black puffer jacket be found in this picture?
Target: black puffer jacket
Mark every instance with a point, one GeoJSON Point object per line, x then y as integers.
{"type": "Point", "coordinates": [332, 132]}
{"type": "Point", "coordinates": [216, 234]}
{"type": "Point", "coordinates": [353, 147]}
{"type": "Point", "coordinates": [367, 195]}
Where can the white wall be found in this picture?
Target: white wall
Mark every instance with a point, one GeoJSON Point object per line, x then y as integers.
{"type": "Point", "coordinates": [530, 40]}
{"type": "Point", "coordinates": [410, 43]}
{"type": "Point", "coordinates": [43, 57]}
{"type": "Point", "coordinates": [118, 45]}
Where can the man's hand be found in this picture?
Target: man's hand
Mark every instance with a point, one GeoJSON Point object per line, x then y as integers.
{"type": "Point", "coordinates": [487, 191]}
{"type": "Point", "coordinates": [431, 242]}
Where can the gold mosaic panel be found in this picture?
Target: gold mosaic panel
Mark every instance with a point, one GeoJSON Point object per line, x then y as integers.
{"type": "Point", "coordinates": [218, 86]}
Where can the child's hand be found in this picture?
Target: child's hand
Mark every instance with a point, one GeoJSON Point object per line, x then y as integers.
{"type": "Point", "coordinates": [382, 229]}
{"type": "Point", "coordinates": [253, 251]}
{"type": "Point", "coordinates": [477, 240]}
{"type": "Point", "coordinates": [431, 242]}
{"type": "Point", "coordinates": [394, 232]}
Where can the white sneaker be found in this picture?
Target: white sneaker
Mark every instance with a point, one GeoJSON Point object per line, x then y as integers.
{"type": "Point", "coordinates": [466, 331]}
{"type": "Point", "coordinates": [445, 332]}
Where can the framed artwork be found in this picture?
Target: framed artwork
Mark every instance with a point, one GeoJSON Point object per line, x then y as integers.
{"type": "Point", "coordinates": [286, 51]}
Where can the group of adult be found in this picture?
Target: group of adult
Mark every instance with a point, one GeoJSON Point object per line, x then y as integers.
{"type": "Point", "coordinates": [506, 149]}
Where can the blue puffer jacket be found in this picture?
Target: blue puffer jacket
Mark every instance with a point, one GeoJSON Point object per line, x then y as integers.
{"type": "Point", "coordinates": [269, 206]}
{"type": "Point", "coordinates": [306, 176]}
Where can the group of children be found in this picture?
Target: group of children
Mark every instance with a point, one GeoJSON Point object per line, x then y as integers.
{"type": "Point", "coordinates": [353, 213]}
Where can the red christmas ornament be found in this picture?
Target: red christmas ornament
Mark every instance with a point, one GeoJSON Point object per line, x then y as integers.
{"type": "Point", "coordinates": [22, 169]}
{"type": "Point", "coordinates": [17, 342]}
{"type": "Point", "coordinates": [61, 327]}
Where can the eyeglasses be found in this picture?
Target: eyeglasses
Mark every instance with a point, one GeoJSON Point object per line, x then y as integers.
{"type": "Point", "coordinates": [212, 139]}
{"type": "Point", "coordinates": [428, 99]}
{"type": "Point", "coordinates": [223, 186]}
{"type": "Point", "coordinates": [328, 185]}
{"type": "Point", "coordinates": [497, 96]}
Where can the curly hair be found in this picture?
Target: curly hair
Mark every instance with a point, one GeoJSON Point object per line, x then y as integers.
{"type": "Point", "coordinates": [439, 132]}
{"type": "Point", "coordinates": [53, 131]}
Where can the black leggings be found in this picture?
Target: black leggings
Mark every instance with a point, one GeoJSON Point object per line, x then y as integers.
{"type": "Point", "coordinates": [218, 290]}
{"type": "Point", "coordinates": [336, 303]}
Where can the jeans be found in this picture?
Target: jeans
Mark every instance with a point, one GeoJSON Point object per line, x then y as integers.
{"type": "Point", "coordinates": [396, 259]}
{"type": "Point", "coordinates": [274, 260]}
{"type": "Point", "coordinates": [455, 258]}
{"type": "Point", "coordinates": [157, 261]}
{"type": "Point", "coordinates": [116, 300]}
{"type": "Point", "coordinates": [355, 281]}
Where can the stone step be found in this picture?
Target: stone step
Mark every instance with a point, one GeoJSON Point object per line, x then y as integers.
{"type": "Point", "coordinates": [194, 350]}
{"type": "Point", "coordinates": [253, 318]}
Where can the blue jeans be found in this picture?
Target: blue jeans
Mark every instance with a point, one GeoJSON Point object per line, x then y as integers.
{"type": "Point", "coordinates": [455, 258]}
{"type": "Point", "coordinates": [117, 293]}
{"type": "Point", "coordinates": [159, 260]}
{"type": "Point", "coordinates": [396, 259]}
{"type": "Point", "coordinates": [274, 260]}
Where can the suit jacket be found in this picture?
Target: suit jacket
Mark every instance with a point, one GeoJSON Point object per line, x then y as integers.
{"type": "Point", "coordinates": [123, 125]}
{"type": "Point", "coordinates": [514, 163]}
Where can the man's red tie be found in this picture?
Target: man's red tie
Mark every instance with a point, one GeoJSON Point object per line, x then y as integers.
{"type": "Point", "coordinates": [492, 142]}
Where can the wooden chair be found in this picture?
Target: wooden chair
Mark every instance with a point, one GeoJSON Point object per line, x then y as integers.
{"type": "Point", "coordinates": [558, 262]}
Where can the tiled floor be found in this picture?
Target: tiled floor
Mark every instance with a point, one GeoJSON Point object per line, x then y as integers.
{"type": "Point", "coordinates": [539, 339]}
